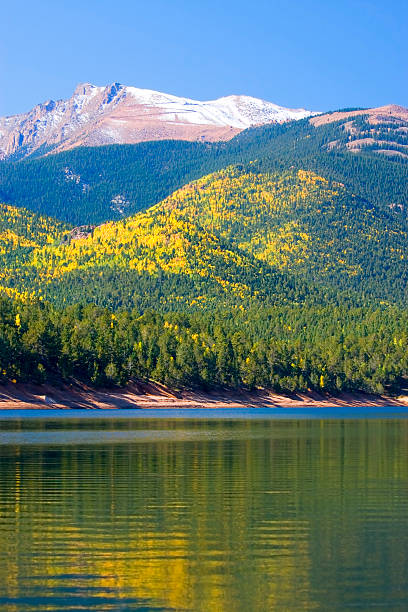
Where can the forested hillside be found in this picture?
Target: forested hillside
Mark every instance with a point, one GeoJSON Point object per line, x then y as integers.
{"type": "Point", "coordinates": [160, 259]}
{"type": "Point", "coordinates": [92, 185]}
{"type": "Point", "coordinates": [229, 238]}
{"type": "Point", "coordinates": [278, 259]}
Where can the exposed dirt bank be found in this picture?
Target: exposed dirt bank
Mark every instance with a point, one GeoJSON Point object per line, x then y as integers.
{"type": "Point", "coordinates": [19, 396]}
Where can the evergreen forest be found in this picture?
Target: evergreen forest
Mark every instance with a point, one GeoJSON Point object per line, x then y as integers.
{"type": "Point", "coordinates": [275, 260]}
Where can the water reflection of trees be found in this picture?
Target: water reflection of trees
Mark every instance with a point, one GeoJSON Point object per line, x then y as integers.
{"type": "Point", "coordinates": [286, 515]}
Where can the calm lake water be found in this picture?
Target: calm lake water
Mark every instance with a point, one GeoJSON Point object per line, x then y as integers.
{"type": "Point", "coordinates": [206, 514]}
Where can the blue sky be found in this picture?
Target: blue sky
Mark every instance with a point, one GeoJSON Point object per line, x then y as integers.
{"type": "Point", "coordinates": [319, 54]}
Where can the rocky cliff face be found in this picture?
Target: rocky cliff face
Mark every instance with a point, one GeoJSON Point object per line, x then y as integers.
{"type": "Point", "coordinates": [117, 114]}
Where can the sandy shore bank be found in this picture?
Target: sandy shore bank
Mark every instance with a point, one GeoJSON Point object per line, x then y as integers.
{"type": "Point", "coordinates": [151, 396]}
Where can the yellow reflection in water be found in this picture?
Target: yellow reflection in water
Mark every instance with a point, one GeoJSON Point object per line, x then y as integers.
{"type": "Point", "coordinates": [277, 519]}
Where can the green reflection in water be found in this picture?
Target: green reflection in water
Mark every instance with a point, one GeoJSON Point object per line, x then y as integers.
{"type": "Point", "coordinates": [212, 516]}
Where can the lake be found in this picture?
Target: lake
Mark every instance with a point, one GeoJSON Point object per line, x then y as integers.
{"type": "Point", "coordinates": [102, 511]}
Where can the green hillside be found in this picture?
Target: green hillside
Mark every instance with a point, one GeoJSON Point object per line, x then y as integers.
{"type": "Point", "coordinates": [280, 279]}
{"type": "Point", "coordinates": [159, 258]}
{"type": "Point", "coordinates": [92, 185]}
{"type": "Point", "coordinates": [229, 238]}
{"type": "Point", "coordinates": [88, 185]}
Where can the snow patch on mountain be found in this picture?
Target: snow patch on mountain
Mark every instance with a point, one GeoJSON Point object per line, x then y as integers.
{"type": "Point", "coordinates": [119, 204]}
{"type": "Point", "coordinates": [235, 111]}
{"type": "Point", "coordinates": [119, 114]}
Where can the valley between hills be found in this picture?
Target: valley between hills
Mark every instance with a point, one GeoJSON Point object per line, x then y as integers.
{"type": "Point", "coordinates": [274, 259]}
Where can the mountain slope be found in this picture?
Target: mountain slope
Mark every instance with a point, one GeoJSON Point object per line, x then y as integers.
{"type": "Point", "coordinates": [92, 185]}
{"type": "Point", "coordinates": [21, 233]}
{"type": "Point", "coordinates": [144, 262]}
{"type": "Point", "coordinates": [118, 114]}
{"type": "Point", "coordinates": [382, 130]}
{"type": "Point", "coordinates": [234, 237]}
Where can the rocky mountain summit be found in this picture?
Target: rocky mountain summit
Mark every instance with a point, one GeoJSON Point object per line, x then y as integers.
{"type": "Point", "coordinates": [118, 114]}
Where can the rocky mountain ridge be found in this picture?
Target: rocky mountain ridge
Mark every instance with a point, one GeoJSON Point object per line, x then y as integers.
{"type": "Point", "coordinates": [117, 114]}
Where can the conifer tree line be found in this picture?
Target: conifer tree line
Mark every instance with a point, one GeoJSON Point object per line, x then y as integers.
{"type": "Point", "coordinates": [287, 348]}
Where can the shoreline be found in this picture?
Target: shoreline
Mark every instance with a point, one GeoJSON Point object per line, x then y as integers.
{"type": "Point", "coordinates": [154, 396]}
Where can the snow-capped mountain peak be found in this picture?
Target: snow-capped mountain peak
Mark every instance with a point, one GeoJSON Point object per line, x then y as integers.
{"type": "Point", "coordinates": [121, 114]}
